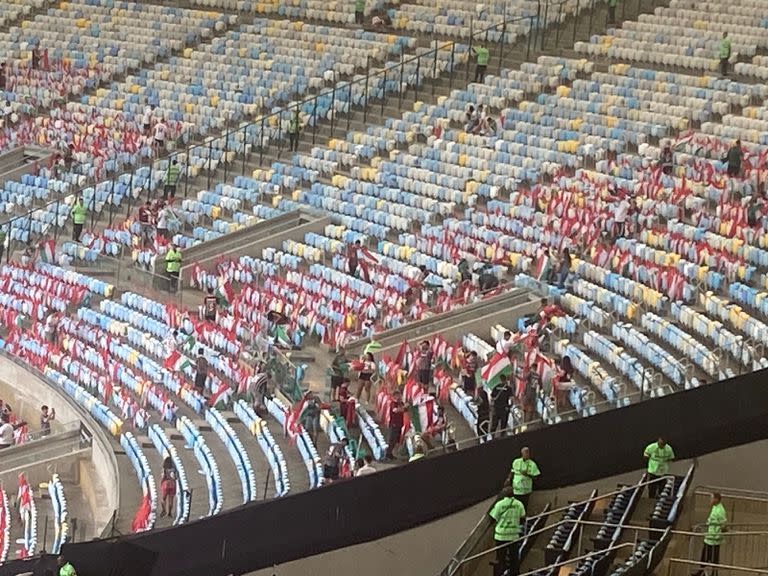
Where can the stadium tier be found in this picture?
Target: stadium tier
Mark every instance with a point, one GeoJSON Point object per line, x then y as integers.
{"type": "Point", "coordinates": [615, 191]}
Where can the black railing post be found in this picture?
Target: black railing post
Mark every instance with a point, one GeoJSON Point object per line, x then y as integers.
{"type": "Point", "coordinates": [623, 10]}
{"type": "Point", "coordinates": [279, 133]}
{"type": "Point", "coordinates": [469, 53]}
{"type": "Point", "coordinates": [245, 149]}
{"type": "Point", "coordinates": [559, 22]}
{"type": "Point", "coordinates": [434, 68]}
{"type": "Point", "coordinates": [226, 151]}
{"type": "Point", "coordinates": [416, 84]}
{"type": "Point", "coordinates": [591, 13]}
{"type": "Point", "coordinates": [400, 87]}
{"type": "Point", "coordinates": [575, 22]}
{"type": "Point", "coordinates": [501, 46]}
{"type": "Point", "coordinates": [210, 162]}
{"type": "Point", "coordinates": [333, 108]}
{"type": "Point", "coordinates": [111, 201]}
{"type": "Point", "coordinates": [384, 92]}
{"type": "Point", "coordinates": [544, 30]}
{"type": "Point", "coordinates": [130, 196]}
{"type": "Point", "coordinates": [55, 227]}
{"type": "Point", "coordinates": [365, 93]}
{"type": "Point", "coordinates": [261, 142]}
{"type": "Point", "coordinates": [314, 120]}
{"type": "Point", "coordinates": [349, 103]}
{"type": "Point", "coordinates": [450, 76]}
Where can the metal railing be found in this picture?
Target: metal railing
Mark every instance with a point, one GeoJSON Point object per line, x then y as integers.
{"type": "Point", "coordinates": [685, 567]}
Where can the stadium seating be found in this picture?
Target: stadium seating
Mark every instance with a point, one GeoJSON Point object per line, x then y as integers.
{"type": "Point", "coordinates": [60, 514]}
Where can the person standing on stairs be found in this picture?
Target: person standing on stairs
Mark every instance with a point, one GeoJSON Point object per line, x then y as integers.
{"type": "Point", "coordinates": [171, 180]}
{"type": "Point", "coordinates": [173, 267]}
{"type": "Point", "coordinates": [659, 455]}
{"type": "Point", "coordinates": [201, 371]}
{"type": "Point", "coordinates": [79, 212]}
{"type": "Point", "coordinates": [612, 11]}
{"type": "Point", "coordinates": [524, 470]}
{"type": "Point", "coordinates": [294, 128]}
{"type": "Point", "coordinates": [168, 487]}
{"type": "Point", "coordinates": [724, 53]}
{"type": "Point", "coordinates": [481, 62]}
{"type": "Point", "coordinates": [508, 515]}
{"type": "Point", "coordinates": [716, 521]}
{"type": "Point", "coordinates": [359, 12]}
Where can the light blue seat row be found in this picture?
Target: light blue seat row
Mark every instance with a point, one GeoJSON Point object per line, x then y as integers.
{"type": "Point", "coordinates": [195, 442]}
{"type": "Point", "coordinates": [140, 464]}
{"type": "Point", "coordinates": [304, 443]}
{"type": "Point", "coordinates": [236, 451]}
{"type": "Point", "coordinates": [271, 449]}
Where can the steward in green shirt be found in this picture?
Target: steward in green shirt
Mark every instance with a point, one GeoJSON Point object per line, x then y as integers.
{"type": "Point", "coordinates": [659, 455]}
{"type": "Point", "coordinates": [725, 53]}
{"type": "Point", "coordinates": [482, 57]}
{"type": "Point", "coordinates": [65, 568]}
{"type": "Point", "coordinates": [508, 514]}
{"type": "Point", "coordinates": [524, 470]}
{"type": "Point", "coordinates": [715, 523]}
{"type": "Point", "coordinates": [173, 267]}
{"type": "Point", "coordinates": [79, 212]}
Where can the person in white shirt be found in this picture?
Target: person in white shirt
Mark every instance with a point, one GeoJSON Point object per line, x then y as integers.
{"type": "Point", "coordinates": [161, 131]}
{"type": "Point", "coordinates": [6, 432]}
{"type": "Point", "coordinates": [146, 118]}
{"type": "Point", "coordinates": [364, 467]}
{"type": "Point", "coordinates": [620, 217]}
{"type": "Point", "coordinates": [503, 345]}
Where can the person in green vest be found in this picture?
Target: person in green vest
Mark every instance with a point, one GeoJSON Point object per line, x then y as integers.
{"type": "Point", "coordinates": [359, 12]}
{"type": "Point", "coordinates": [65, 568]}
{"type": "Point", "coordinates": [508, 515]}
{"type": "Point", "coordinates": [724, 53]}
{"type": "Point", "coordinates": [173, 267]}
{"type": "Point", "coordinates": [481, 62]}
{"type": "Point", "coordinates": [659, 455]}
{"type": "Point", "coordinates": [79, 212]}
{"type": "Point", "coordinates": [171, 179]}
{"type": "Point", "coordinates": [612, 11]}
{"type": "Point", "coordinates": [524, 470]}
{"type": "Point", "coordinates": [294, 126]}
{"type": "Point", "coordinates": [716, 522]}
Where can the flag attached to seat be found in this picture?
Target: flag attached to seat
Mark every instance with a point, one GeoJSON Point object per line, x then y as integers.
{"type": "Point", "coordinates": [492, 371]}
{"type": "Point", "coordinates": [177, 362]}
{"type": "Point", "coordinates": [422, 413]}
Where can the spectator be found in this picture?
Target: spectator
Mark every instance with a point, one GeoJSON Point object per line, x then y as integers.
{"type": "Point", "coordinates": [338, 372]}
{"type": "Point", "coordinates": [524, 470]}
{"type": "Point", "coordinates": [161, 133]}
{"type": "Point", "coordinates": [169, 343]}
{"type": "Point", "coordinates": [146, 118]}
{"type": "Point", "coordinates": [562, 382]}
{"type": "Point", "coordinates": [504, 345]}
{"type": "Point", "coordinates": [46, 417]}
{"type": "Point", "coordinates": [365, 466]}
{"type": "Point", "coordinates": [65, 568]}
{"type": "Point", "coordinates": [464, 270]}
{"type": "Point", "coordinates": [79, 213]}
{"type": "Point", "coordinates": [145, 223]}
{"type": "Point", "coordinates": [469, 372]}
{"type": "Point", "coordinates": [424, 365]}
{"type": "Point", "coordinates": [724, 53]}
{"type": "Point", "coordinates": [508, 515]}
{"type": "Point", "coordinates": [167, 487]}
{"type": "Point", "coordinates": [171, 180]}
{"type": "Point", "coordinates": [333, 459]}
{"type": "Point", "coordinates": [438, 431]}
{"type": "Point", "coordinates": [294, 127]}
{"type": "Point", "coordinates": [716, 522]}
{"type": "Point", "coordinates": [346, 406]}
{"type": "Point", "coordinates": [621, 214]}
{"type": "Point", "coordinates": [163, 214]}
{"type": "Point", "coordinates": [501, 396]}
{"type": "Point", "coordinates": [210, 305]}
{"type": "Point", "coordinates": [6, 431]}
{"type": "Point", "coordinates": [173, 267]}
{"type": "Point", "coordinates": [311, 416]}
{"type": "Point", "coordinates": [201, 371]}
{"type": "Point", "coordinates": [367, 370]}
{"type": "Point", "coordinates": [3, 76]}
{"type": "Point", "coordinates": [666, 160]}
{"type": "Point", "coordinates": [359, 12]}
{"type": "Point", "coordinates": [418, 453]}
{"type": "Point", "coordinates": [481, 62]}
{"type": "Point", "coordinates": [353, 257]}
{"type": "Point", "coordinates": [483, 411]}
{"type": "Point", "coordinates": [565, 268]}
{"type": "Point", "coordinates": [35, 58]}
{"type": "Point", "coordinates": [612, 11]}
{"type": "Point", "coordinates": [396, 418]}
{"type": "Point", "coordinates": [659, 455]}
{"type": "Point", "coordinates": [733, 158]}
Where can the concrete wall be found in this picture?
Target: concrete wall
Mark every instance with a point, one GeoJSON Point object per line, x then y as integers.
{"type": "Point", "coordinates": [30, 391]}
{"type": "Point", "coordinates": [476, 318]}
{"type": "Point", "coordinates": [11, 166]}
{"type": "Point", "coordinates": [252, 240]}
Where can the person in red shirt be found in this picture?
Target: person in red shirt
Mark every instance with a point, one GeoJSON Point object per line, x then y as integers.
{"type": "Point", "coordinates": [346, 408]}
{"type": "Point", "coordinates": [209, 306]}
{"type": "Point", "coordinates": [145, 221]}
{"type": "Point", "coordinates": [424, 365]}
{"type": "Point", "coordinates": [396, 419]}
{"type": "Point", "coordinates": [353, 257]}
